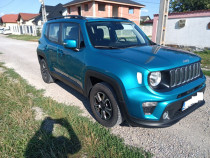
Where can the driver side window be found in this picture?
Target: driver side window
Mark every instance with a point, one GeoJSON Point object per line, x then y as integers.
{"type": "Point", "coordinates": [71, 31]}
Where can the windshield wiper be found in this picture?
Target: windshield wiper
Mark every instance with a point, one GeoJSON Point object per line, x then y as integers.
{"type": "Point", "coordinates": [106, 47]}
{"type": "Point", "coordinates": [135, 45]}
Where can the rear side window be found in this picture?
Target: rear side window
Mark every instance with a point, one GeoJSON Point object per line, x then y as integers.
{"type": "Point", "coordinates": [54, 32]}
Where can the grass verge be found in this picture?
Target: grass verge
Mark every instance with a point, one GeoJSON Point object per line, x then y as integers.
{"type": "Point", "coordinates": [36, 126]}
{"type": "Point", "coordinates": [205, 55]}
{"type": "Point", "coordinates": [24, 37]}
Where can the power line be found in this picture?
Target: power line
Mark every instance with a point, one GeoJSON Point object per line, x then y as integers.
{"type": "Point", "coordinates": [7, 4]}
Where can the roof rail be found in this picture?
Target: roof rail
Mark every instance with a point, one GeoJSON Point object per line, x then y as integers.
{"type": "Point", "coordinates": [68, 16]}
{"type": "Point", "coordinates": [117, 18]}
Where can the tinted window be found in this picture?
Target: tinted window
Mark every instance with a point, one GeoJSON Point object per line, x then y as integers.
{"type": "Point", "coordinates": [111, 34]}
{"type": "Point", "coordinates": [54, 32]}
{"type": "Point", "coordinates": [105, 31]}
{"type": "Point", "coordinates": [46, 30]}
{"type": "Point", "coordinates": [71, 31]}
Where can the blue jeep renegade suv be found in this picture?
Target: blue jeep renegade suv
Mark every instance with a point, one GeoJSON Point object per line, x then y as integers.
{"type": "Point", "coordinates": [126, 76]}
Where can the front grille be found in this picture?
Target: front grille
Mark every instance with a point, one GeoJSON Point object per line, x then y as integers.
{"type": "Point", "coordinates": [184, 74]}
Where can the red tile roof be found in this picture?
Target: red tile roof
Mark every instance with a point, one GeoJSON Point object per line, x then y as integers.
{"type": "Point", "coordinates": [9, 18]}
{"type": "Point", "coordinates": [27, 16]}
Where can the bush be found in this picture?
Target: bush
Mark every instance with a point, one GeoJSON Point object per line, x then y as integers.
{"type": "Point", "coordinates": [38, 32]}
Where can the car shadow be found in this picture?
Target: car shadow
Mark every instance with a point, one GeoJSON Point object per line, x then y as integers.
{"type": "Point", "coordinates": [83, 99]}
{"type": "Point", "coordinates": [78, 95]}
{"type": "Point", "coordinates": [45, 144]}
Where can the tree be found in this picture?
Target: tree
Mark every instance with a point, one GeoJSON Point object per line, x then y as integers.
{"type": "Point", "coordinates": [189, 5]}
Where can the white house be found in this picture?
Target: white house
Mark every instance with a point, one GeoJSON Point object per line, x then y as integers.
{"type": "Point", "coordinates": [9, 22]}
{"type": "Point", "coordinates": [147, 27]}
{"type": "Point", "coordinates": [190, 29]}
{"type": "Point", "coordinates": [25, 23]}
{"type": "Point", "coordinates": [19, 23]}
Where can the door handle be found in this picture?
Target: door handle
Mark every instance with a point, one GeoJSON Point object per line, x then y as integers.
{"type": "Point", "coordinates": [60, 51]}
{"type": "Point", "coordinates": [46, 47]}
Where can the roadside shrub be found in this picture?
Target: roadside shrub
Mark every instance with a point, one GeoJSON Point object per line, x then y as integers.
{"type": "Point", "coordinates": [38, 32]}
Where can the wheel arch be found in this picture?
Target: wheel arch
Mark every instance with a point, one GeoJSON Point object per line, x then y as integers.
{"type": "Point", "coordinates": [41, 56]}
{"type": "Point", "coordinates": [100, 77]}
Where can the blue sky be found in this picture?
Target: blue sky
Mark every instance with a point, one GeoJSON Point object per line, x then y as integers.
{"type": "Point", "coordinates": [32, 6]}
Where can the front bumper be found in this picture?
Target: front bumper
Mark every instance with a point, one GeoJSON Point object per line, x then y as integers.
{"type": "Point", "coordinates": [165, 104]}
{"type": "Point", "coordinates": [175, 113]}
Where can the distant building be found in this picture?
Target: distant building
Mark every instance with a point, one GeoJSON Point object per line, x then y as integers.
{"type": "Point", "coordinates": [19, 23]}
{"type": "Point", "coordinates": [9, 21]}
{"type": "Point", "coordinates": [146, 25]}
{"type": "Point", "coordinates": [110, 8]}
{"type": "Point", "coordinates": [25, 23]}
{"type": "Point", "coordinates": [52, 12]}
{"type": "Point", "coordinates": [144, 18]}
{"type": "Point", "coordinates": [190, 29]}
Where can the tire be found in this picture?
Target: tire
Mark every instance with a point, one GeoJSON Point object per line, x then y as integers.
{"type": "Point", "coordinates": [45, 72]}
{"type": "Point", "coordinates": [104, 105]}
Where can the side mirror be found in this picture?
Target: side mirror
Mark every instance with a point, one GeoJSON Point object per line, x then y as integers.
{"type": "Point", "coordinates": [71, 44]}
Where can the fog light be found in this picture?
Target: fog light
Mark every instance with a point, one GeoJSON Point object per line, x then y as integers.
{"type": "Point", "coordinates": [166, 116]}
{"type": "Point", "coordinates": [149, 107]}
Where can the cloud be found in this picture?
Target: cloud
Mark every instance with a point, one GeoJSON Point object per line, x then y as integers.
{"type": "Point", "coordinates": [145, 10]}
{"type": "Point", "coordinates": [1, 14]}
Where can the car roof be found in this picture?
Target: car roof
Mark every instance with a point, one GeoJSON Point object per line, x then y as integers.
{"type": "Point", "coordinates": [81, 19]}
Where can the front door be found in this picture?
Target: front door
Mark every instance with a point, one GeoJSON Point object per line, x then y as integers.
{"type": "Point", "coordinates": [115, 11]}
{"type": "Point", "coordinates": [72, 63]}
{"type": "Point", "coordinates": [79, 10]}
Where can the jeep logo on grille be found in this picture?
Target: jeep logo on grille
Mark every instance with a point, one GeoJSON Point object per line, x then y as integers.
{"type": "Point", "coordinates": [186, 61]}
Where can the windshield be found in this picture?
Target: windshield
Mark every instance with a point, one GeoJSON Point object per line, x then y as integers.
{"type": "Point", "coordinates": [113, 35]}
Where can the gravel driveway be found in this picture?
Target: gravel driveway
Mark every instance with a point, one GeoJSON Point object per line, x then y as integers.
{"type": "Point", "coordinates": [188, 138]}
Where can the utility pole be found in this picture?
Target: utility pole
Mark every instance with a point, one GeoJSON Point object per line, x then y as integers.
{"type": "Point", "coordinates": [162, 22]}
{"type": "Point", "coordinates": [44, 14]}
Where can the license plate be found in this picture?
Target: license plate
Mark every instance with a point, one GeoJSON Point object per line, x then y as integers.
{"type": "Point", "coordinates": [193, 100]}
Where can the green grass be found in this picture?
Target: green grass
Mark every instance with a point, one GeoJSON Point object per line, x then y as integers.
{"type": "Point", "coordinates": [207, 73]}
{"type": "Point", "coordinates": [24, 37]}
{"type": "Point", "coordinates": [205, 55]}
{"type": "Point", "coordinates": [63, 132]}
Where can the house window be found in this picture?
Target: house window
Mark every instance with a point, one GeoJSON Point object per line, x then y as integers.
{"type": "Point", "coordinates": [208, 26]}
{"type": "Point", "coordinates": [131, 10]}
{"type": "Point", "coordinates": [86, 7]}
{"type": "Point", "coordinates": [69, 10]}
{"type": "Point", "coordinates": [101, 7]}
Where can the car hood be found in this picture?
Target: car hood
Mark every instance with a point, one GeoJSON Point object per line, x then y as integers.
{"type": "Point", "coordinates": [154, 58]}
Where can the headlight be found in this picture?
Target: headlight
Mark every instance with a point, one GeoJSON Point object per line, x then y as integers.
{"type": "Point", "coordinates": [155, 78]}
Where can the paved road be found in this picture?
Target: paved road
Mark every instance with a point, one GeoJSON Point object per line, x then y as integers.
{"type": "Point", "coordinates": [188, 138]}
